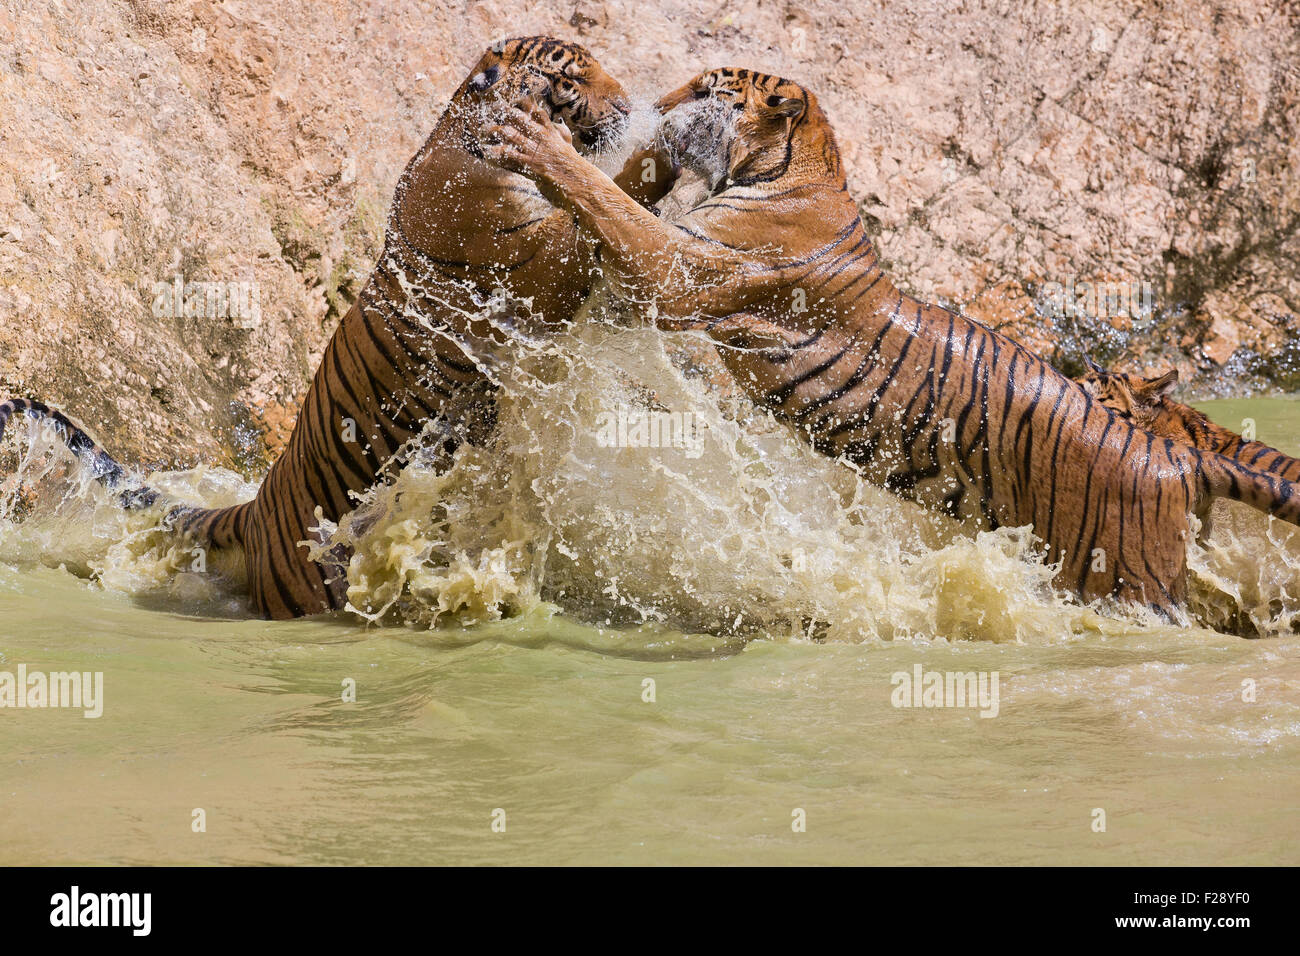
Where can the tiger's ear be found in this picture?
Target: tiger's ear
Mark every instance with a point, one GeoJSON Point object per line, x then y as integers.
{"type": "Point", "coordinates": [484, 79]}
{"type": "Point", "coordinates": [1092, 366]}
{"type": "Point", "coordinates": [1122, 396]}
{"type": "Point", "coordinates": [790, 107]}
{"type": "Point", "coordinates": [1157, 388]}
{"type": "Point", "coordinates": [489, 68]}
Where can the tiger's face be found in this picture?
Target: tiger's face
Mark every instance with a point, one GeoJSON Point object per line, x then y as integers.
{"type": "Point", "coordinates": [1140, 400]}
{"type": "Point", "coordinates": [1109, 388]}
{"type": "Point", "coordinates": [733, 125]}
{"type": "Point", "coordinates": [563, 77]}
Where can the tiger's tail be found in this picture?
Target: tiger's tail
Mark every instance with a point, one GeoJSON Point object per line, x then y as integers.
{"type": "Point", "coordinates": [1223, 477]}
{"type": "Point", "coordinates": [102, 466]}
{"type": "Point", "coordinates": [221, 527]}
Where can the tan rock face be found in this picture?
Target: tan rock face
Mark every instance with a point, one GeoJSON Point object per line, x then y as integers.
{"type": "Point", "coordinates": [247, 151]}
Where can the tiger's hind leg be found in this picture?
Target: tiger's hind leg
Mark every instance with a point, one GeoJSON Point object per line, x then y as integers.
{"type": "Point", "coordinates": [283, 580]}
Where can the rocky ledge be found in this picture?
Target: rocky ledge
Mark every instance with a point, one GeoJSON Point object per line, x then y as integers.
{"type": "Point", "coordinates": [1084, 176]}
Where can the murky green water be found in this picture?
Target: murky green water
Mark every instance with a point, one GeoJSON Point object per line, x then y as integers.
{"type": "Point", "coordinates": [543, 718]}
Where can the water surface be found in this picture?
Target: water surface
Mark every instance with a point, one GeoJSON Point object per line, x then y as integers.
{"type": "Point", "coordinates": [517, 695]}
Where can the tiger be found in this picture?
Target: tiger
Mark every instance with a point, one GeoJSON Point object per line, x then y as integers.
{"type": "Point", "coordinates": [1146, 403]}
{"type": "Point", "coordinates": [775, 266]}
{"type": "Point", "coordinates": [413, 352]}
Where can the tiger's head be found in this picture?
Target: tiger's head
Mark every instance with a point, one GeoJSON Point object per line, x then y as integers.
{"type": "Point", "coordinates": [1143, 401]}
{"type": "Point", "coordinates": [561, 76]}
{"type": "Point", "coordinates": [738, 127]}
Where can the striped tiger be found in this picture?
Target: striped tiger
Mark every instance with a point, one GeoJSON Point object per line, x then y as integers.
{"type": "Point", "coordinates": [776, 267]}
{"type": "Point", "coordinates": [1146, 403]}
{"type": "Point", "coordinates": [466, 244]}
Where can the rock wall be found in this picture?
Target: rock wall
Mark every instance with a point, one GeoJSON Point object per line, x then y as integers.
{"type": "Point", "coordinates": [1009, 156]}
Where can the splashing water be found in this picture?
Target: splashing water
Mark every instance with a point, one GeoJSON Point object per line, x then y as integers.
{"type": "Point", "coordinates": [625, 485]}
{"type": "Point", "coordinates": [1245, 574]}
{"type": "Point", "coordinates": [748, 531]}
{"type": "Point", "coordinates": [54, 514]}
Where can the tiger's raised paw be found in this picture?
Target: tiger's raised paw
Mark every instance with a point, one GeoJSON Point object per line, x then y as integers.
{"type": "Point", "coordinates": [526, 139]}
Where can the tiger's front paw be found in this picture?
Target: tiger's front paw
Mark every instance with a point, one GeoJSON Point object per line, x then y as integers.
{"type": "Point", "coordinates": [526, 141]}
